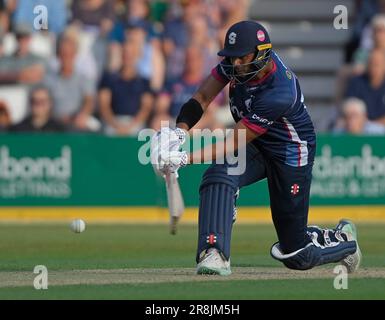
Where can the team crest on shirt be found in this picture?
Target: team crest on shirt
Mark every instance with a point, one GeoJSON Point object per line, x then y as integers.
{"type": "Point", "coordinates": [294, 189]}
{"type": "Point", "coordinates": [289, 75]}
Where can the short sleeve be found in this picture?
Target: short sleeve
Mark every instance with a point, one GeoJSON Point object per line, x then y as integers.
{"type": "Point", "coordinates": [261, 117]}
{"type": "Point", "coordinates": [353, 88]}
{"type": "Point", "coordinates": [88, 86]}
{"type": "Point", "coordinates": [147, 86]}
{"type": "Point", "coordinates": [218, 74]}
{"type": "Point", "coordinates": [108, 10]}
{"type": "Point", "coordinates": [117, 33]}
{"type": "Point", "coordinates": [166, 89]}
{"type": "Point", "coordinates": [105, 81]}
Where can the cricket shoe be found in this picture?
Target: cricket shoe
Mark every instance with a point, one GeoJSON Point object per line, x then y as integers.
{"type": "Point", "coordinates": [353, 261]}
{"type": "Point", "coordinates": [213, 262]}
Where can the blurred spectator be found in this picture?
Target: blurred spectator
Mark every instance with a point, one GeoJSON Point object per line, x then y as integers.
{"type": "Point", "coordinates": [57, 14]}
{"type": "Point", "coordinates": [1, 46]}
{"type": "Point", "coordinates": [95, 19]}
{"type": "Point", "coordinates": [95, 15]}
{"type": "Point", "coordinates": [366, 35]}
{"type": "Point", "coordinates": [151, 65]}
{"type": "Point", "coordinates": [202, 37]}
{"type": "Point", "coordinates": [364, 11]}
{"type": "Point", "coordinates": [361, 57]}
{"type": "Point", "coordinates": [5, 117]}
{"type": "Point", "coordinates": [171, 99]}
{"type": "Point", "coordinates": [138, 10]}
{"type": "Point", "coordinates": [72, 92]}
{"type": "Point", "coordinates": [125, 98]}
{"type": "Point", "coordinates": [370, 87]}
{"type": "Point", "coordinates": [231, 12]}
{"type": "Point", "coordinates": [23, 66]}
{"type": "Point", "coordinates": [4, 18]}
{"type": "Point", "coordinates": [137, 13]}
{"type": "Point", "coordinates": [159, 9]}
{"type": "Point", "coordinates": [40, 118]}
{"type": "Point", "coordinates": [213, 14]}
{"type": "Point", "coordinates": [355, 120]}
{"type": "Point", "coordinates": [85, 62]}
{"type": "Point", "coordinates": [176, 38]}
{"type": "Point", "coordinates": [157, 35]}
{"type": "Point", "coordinates": [376, 40]}
{"type": "Point", "coordinates": [135, 24]}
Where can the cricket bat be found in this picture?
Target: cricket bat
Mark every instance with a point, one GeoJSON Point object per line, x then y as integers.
{"type": "Point", "coordinates": [174, 199]}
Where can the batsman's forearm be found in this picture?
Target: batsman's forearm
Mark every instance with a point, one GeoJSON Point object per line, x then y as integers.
{"type": "Point", "coordinates": [238, 138]}
{"type": "Point", "coordinates": [214, 152]}
{"type": "Point", "coordinates": [183, 126]}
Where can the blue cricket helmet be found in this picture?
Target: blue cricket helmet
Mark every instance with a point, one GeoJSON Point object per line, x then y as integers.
{"type": "Point", "coordinates": [243, 38]}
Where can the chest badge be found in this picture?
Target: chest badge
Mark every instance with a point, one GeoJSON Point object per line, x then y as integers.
{"type": "Point", "coordinates": [289, 74]}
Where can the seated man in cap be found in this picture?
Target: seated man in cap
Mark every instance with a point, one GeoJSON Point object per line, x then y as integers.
{"type": "Point", "coordinates": [23, 66]}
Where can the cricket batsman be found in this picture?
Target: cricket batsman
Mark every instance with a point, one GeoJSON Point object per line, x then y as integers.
{"type": "Point", "coordinates": [267, 104]}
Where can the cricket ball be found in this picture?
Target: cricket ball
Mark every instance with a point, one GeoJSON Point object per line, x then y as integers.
{"type": "Point", "coordinates": [77, 225]}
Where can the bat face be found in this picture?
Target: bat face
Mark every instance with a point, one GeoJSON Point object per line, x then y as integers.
{"type": "Point", "coordinates": [174, 199]}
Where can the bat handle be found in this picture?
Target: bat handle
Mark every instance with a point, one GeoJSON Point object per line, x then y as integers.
{"type": "Point", "coordinates": [173, 225]}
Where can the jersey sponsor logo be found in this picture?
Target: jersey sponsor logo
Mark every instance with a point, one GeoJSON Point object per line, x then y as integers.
{"type": "Point", "coordinates": [262, 120]}
{"type": "Point", "coordinates": [232, 37]}
{"type": "Point", "coordinates": [261, 35]}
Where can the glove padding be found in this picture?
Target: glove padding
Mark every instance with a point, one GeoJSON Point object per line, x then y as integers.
{"type": "Point", "coordinates": [165, 154]}
{"type": "Point", "coordinates": [173, 160]}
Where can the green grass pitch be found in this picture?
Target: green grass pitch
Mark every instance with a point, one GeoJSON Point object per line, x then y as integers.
{"type": "Point", "coordinates": [145, 262]}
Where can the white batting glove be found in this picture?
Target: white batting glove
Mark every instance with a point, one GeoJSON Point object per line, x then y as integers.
{"type": "Point", "coordinates": [163, 142]}
{"type": "Point", "coordinates": [171, 139]}
{"type": "Point", "coordinates": [174, 160]}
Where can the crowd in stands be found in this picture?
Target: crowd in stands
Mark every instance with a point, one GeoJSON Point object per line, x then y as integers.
{"type": "Point", "coordinates": [360, 96]}
{"type": "Point", "coordinates": [108, 66]}
{"type": "Point", "coordinates": [117, 66]}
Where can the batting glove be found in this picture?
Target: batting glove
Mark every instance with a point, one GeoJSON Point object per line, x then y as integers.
{"type": "Point", "coordinates": [174, 160]}
{"type": "Point", "coordinates": [164, 142]}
